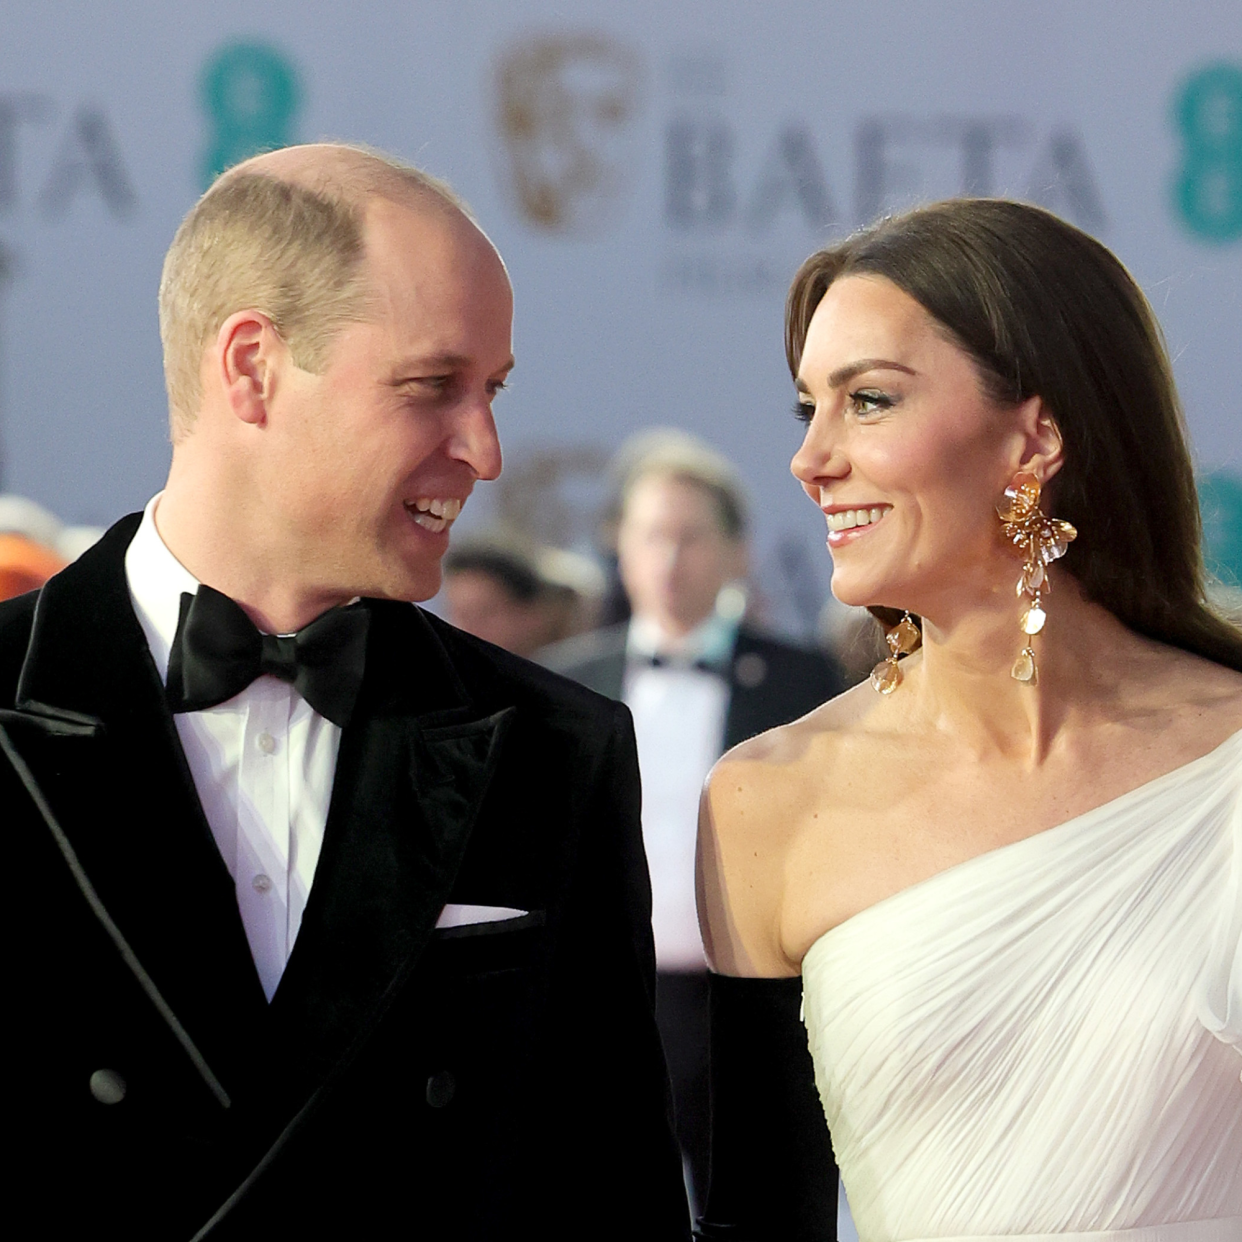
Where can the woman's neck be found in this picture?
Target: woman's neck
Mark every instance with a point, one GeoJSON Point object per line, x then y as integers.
{"type": "Point", "coordinates": [961, 681]}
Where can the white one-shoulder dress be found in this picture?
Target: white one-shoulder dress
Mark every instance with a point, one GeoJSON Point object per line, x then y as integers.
{"type": "Point", "coordinates": [1044, 1042]}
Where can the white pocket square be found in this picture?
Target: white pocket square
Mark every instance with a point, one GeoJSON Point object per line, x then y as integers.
{"type": "Point", "coordinates": [464, 915]}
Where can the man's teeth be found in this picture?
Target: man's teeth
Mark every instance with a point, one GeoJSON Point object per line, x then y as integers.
{"type": "Point", "coordinates": [432, 513]}
{"type": "Point", "coordinates": [847, 519]}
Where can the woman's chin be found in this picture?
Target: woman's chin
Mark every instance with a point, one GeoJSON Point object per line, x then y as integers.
{"type": "Point", "coordinates": [852, 594]}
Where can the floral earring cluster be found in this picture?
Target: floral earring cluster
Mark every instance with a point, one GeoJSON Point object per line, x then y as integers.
{"type": "Point", "coordinates": [1040, 540]}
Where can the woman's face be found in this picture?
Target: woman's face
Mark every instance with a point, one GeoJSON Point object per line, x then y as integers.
{"type": "Point", "coordinates": [904, 452]}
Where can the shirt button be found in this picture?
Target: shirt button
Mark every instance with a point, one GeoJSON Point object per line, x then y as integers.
{"type": "Point", "coordinates": [266, 743]}
{"type": "Point", "coordinates": [261, 883]}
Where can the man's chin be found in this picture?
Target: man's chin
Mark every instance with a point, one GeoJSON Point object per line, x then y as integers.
{"type": "Point", "coordinates": [396, 578]}
{"type": "Point", "coordinates": [411, 586]}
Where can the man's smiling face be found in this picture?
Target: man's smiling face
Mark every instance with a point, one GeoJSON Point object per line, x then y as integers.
{"type": "Point", "coordinates": [374, 457]}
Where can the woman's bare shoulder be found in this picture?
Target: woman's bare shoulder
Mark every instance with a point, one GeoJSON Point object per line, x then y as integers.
{"type": "Point", "coordinates": [773, 757]}
{"type": "Point", "coordinates": [774, 751]}
{"type": "Point", "coordinates": [756, 800]}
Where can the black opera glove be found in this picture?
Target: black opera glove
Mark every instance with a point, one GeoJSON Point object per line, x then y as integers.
{"type": "Point", "coordinates": [773, 1176]}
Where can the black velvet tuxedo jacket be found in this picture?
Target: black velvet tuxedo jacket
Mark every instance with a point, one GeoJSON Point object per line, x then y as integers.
{"type": "Point", "coordinates": [770, 682]}
{"type": "Point", "coordinates": [501, 1081]}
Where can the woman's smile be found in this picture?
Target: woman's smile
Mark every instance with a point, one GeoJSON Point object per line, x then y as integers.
{"type": "Point", "coordinates": [847, 525]}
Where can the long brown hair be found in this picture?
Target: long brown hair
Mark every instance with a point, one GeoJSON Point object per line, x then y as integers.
{"type": "Point", "coordinates": [1045, 310]}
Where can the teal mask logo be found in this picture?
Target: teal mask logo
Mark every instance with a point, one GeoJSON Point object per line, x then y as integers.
{"type": "Point", "coordinates": [1220, 501]}
{"type": "Point", "coordinates": [251, 95]}
{"type": "Point", "coordinates": [1207, 190]}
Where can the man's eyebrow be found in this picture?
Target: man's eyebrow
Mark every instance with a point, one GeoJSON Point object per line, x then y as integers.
{"type": "Point", "coordinates": [438, 364]}
{"type": "Point", "coordinates": [843, 375]}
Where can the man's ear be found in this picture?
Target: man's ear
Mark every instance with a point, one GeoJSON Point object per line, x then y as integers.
{"type": "Point", "coordinates": [246, 358]}
{"type": "Point", "coordinates": [1043, 449]}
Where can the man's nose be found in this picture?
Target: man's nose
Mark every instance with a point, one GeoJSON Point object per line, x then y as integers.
{"type": "Point", "coordinates": [474, 441]}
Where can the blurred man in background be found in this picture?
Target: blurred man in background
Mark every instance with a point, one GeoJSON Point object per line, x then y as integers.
{"type": "Point", "coordinates": [35, 544]}
{"type": "Point", "coordinates": [520, 598]}
{"type": "Point", "coordinates": [24, 564]}
{"type": "Point", "coordinates": [698, 680]}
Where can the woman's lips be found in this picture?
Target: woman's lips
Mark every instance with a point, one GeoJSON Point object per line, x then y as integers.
{"type": "Point", "coordinates": [847, 525]}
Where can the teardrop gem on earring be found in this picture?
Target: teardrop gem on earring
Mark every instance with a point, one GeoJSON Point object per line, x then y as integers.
{"type": "Point", "coordinates": [886, 676]}
{"type": "Point", "coordinates": [1033, 619]}
{"type": "Point", "coordinates": [1024, 669]}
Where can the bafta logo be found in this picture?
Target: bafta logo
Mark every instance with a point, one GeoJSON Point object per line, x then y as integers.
{"type": "Point", "coordinates": [565, 105]}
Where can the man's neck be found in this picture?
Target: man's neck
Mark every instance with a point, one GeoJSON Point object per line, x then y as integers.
{"type": "Point", "coordinates": [209, 529]}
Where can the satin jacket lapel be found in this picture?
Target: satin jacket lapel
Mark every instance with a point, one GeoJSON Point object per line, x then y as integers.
{"type": "Point", "coordinates": [413, 769]}
{"type": "Point", "coordinates": [91, 723]}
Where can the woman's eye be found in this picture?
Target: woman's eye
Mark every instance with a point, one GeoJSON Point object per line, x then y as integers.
{"type": "Point", "coordinates": [804, 411]}
{"type": "Point", "coordinates": [868, 401]}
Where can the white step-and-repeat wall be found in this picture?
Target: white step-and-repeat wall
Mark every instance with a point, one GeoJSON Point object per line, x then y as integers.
{"type": "Point", "coordinates": [653, 173]}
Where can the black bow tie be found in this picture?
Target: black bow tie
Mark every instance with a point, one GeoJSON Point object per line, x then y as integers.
{"type": "Point", "coordinates": [656, 660]}
{"type": "Point", "coordinates": [218, 652]}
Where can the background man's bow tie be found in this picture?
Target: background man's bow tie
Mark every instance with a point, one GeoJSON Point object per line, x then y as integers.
{"type": "Point", "coordinates": [656, 660]}
{"type": "Point", "coordinates": [218, 652]}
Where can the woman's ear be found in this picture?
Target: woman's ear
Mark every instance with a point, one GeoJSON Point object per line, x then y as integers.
{"type": "Point", "coordinates": [245, 354]}
{"type": "Point", "coordinates": [1043, 450]}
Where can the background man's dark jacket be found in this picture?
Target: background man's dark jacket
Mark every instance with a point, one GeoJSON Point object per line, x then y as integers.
{"type": "Point", "coordinates": [770, 682]}
{"type": "Point", "coordinates": [404, 1081]}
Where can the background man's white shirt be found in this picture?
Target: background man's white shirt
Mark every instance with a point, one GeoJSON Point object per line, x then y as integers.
{"type": "Point", "coordinates": [679, 720]}
{"type": "Point", "coordinates": [263, 764]}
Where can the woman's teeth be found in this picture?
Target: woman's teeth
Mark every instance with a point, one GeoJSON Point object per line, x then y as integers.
{"type": "Point", "coordinates": [847, 519]}
{"type": "Point", "coordinates": [433, 514]}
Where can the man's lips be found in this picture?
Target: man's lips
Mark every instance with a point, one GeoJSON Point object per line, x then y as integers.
{"type": "Point", "coordinates": [434, 513]}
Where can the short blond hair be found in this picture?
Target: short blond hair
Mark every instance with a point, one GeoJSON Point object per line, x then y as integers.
{"type": "Point", "coordinates": [669, 453]}
{"type": "Point", "coordinates": [291, 250]}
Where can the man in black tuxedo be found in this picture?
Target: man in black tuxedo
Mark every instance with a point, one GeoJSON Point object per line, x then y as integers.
{"type": "Point", "coordinates": [698, 681]}
{"type": "Point", "coordinates": [333, 921]}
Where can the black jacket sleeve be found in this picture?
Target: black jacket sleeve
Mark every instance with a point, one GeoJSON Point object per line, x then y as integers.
{"type": "Point", "coordinates": [773, 1176]}
{"type": "Point", "coordinates": [615, 1135]}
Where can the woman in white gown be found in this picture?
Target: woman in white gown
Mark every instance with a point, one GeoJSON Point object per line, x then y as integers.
{"type": "Point", "coordinates": [1011, 879]}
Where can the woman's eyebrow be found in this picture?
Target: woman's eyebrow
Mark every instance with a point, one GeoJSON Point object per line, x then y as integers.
{"type": "Point", "coordinates": [843, 375]}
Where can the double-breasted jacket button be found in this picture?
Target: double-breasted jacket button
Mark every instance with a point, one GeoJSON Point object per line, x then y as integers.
{"type": "Point", "coordinates": [441, 1088]}
{"type": "Point", "coordinates": [107, 1086]}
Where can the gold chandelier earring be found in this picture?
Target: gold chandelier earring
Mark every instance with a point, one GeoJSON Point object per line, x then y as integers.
{"type": "Point", "coordinates": [1039, 540]}
{"type": "Point", "coordinates": [902, 639]}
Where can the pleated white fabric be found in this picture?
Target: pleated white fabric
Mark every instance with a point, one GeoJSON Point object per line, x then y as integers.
{"type": "Point", "coordinates": [1044, 1041]}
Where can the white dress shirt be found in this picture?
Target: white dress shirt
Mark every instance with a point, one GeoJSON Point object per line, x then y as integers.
{"type": "Point", "coordinates": [263, 765]}
{"type": "Point", "coordinates": [679, 719]}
